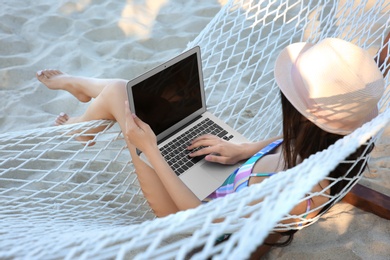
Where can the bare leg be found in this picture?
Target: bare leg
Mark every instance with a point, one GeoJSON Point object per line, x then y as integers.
{"type": "Point", "coordinates": [110, 96]}
{"type": "Point", "coordinates": [109, 104]}
{"type": "Point", "coordinates": [83, 88]}
{"type": "Point", "coordinates": [152, 187]}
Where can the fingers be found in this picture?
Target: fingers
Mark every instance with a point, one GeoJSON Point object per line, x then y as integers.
{"type": "Point", "coordinates": [141, 124]}
{"type": "Point", "coordinates": [61, 119]}
{"type": "Point", "coordinates": [129, 117]}
{"type": "Point", "coordinates": [212, 154]}
{"type": "Point", "coordinates": [138, 133]}
{"type": "Point", "coordinates": [132, 120]}
{"type": "Point", "coordinates": [206, 150]}
{"type": "Point", "coordinates": [205, 137]}
{"type": "Point", "coordinates": [127, 109]}
{"type": "Point", "coordinates": [209, 144]}
{"type": "Point", "coordinates": [204, 140]}
{"type": "Point", "coordinates": [217, 159]}
{"type": "Point", "coordinates": [214, 149]}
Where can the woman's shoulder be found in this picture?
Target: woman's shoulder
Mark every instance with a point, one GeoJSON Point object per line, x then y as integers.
{"type": "Point", "coordinates": [271, 163]}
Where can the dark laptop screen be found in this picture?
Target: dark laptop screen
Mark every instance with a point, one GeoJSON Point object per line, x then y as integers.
{"type": "Point", "coordinates": [169, 96]}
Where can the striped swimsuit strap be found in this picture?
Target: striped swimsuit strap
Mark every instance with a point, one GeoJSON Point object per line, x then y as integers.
{"type": "Point", "coordinates": [262, 152]}
{"type": "Point", "coordinates": [261, 174]}
{"type": "Point", "coordinates": [245, 170]}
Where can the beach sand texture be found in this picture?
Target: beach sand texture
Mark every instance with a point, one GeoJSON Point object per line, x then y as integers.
{"type": "Point", "coordinates": [123, 39]}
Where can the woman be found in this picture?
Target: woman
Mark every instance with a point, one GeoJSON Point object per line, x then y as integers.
{"type": "Point", "coordinates": [327, 91]}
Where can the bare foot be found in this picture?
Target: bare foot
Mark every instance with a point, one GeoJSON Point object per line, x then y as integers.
{"type": "Point", "coordinates": [55, 79]}
{"type": "Point", "coordinates": [64, 119]}
{"type": "Point", "coordinates": [61, 119]}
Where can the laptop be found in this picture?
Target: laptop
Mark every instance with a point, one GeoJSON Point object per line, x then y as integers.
{"type": "Point", "coordinates": [171, 99]}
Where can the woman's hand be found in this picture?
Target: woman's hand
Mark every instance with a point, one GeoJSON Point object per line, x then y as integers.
{"type": "Point", "coordinates": [139, 133]}
{"type": "Point", "coordinates": [217, 150]}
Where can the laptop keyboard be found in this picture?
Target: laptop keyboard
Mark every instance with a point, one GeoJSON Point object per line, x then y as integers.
{"type": "Point", "coordinates": [176, 153]}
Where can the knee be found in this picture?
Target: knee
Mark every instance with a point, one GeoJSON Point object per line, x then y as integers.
{"type": "Point", "coordinates": [116, 89]}
{"type": "Point", "coordinates": [118, 85]}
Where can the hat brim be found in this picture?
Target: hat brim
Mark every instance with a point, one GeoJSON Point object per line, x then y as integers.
{"type": "Point", "coordinates": [283, 74]}
{"type": "Point", "coordinates": [297, 94]}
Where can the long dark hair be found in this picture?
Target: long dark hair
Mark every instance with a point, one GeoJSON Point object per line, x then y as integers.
{"type": "Point", "coordinates": [302, 138]}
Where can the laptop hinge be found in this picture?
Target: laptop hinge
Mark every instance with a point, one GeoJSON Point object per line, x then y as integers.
{"type": "Point", "coordinates": [168, 136]}
{"type": "Point", "coordinates": [184, 126]}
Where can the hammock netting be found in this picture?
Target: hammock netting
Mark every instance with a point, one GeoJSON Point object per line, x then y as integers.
{"type": "Point", "coordinates": [64, 199]}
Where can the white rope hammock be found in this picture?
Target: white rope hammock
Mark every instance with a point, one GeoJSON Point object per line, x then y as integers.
{"type": "Point", "coordinates": [61, 199]}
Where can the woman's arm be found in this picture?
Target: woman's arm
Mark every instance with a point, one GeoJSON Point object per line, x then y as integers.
{"type": "Point", "coordinates": [152, 188]}
{"type": "Point", "coordinates": [141, 136]}
{"type": "Point", "coordinates": [224, 152]}
{"type": "Point", "coordinates": [273, 163]}
{"type": "Point", "coordinates": [183, 197]}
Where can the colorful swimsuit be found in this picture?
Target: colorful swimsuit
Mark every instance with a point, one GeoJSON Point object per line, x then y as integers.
{"type": "Point", "coordinates": [239, 179]}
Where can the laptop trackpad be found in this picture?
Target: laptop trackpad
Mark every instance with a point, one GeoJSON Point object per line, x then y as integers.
{"type": "Point", "coordinates": [206, 178]}
{"type": "Point", "coordinates": [218, 171]}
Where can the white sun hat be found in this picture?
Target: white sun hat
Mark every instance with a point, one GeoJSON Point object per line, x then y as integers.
{"type": "Point", "coordinates": [334, 83]}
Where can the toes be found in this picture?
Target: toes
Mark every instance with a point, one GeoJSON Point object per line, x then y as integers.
{"type": "Point", "coordinates": [42, 75]}
{"type": "Point", "coordinates": [48, 73]}
{"type": "Point", "coordinates": [39, 74]}
{"type": "Point", "coordinates": [51, 73]}
{"type": "Point", "coordinates": [61, 119]}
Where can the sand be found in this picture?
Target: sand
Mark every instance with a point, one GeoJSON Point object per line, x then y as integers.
{"type": "Point", "coordinates": [123, 39]}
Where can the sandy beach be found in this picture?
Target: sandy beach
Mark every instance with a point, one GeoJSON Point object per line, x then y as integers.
{"type": "Point", "coordinates": [122, 39]}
